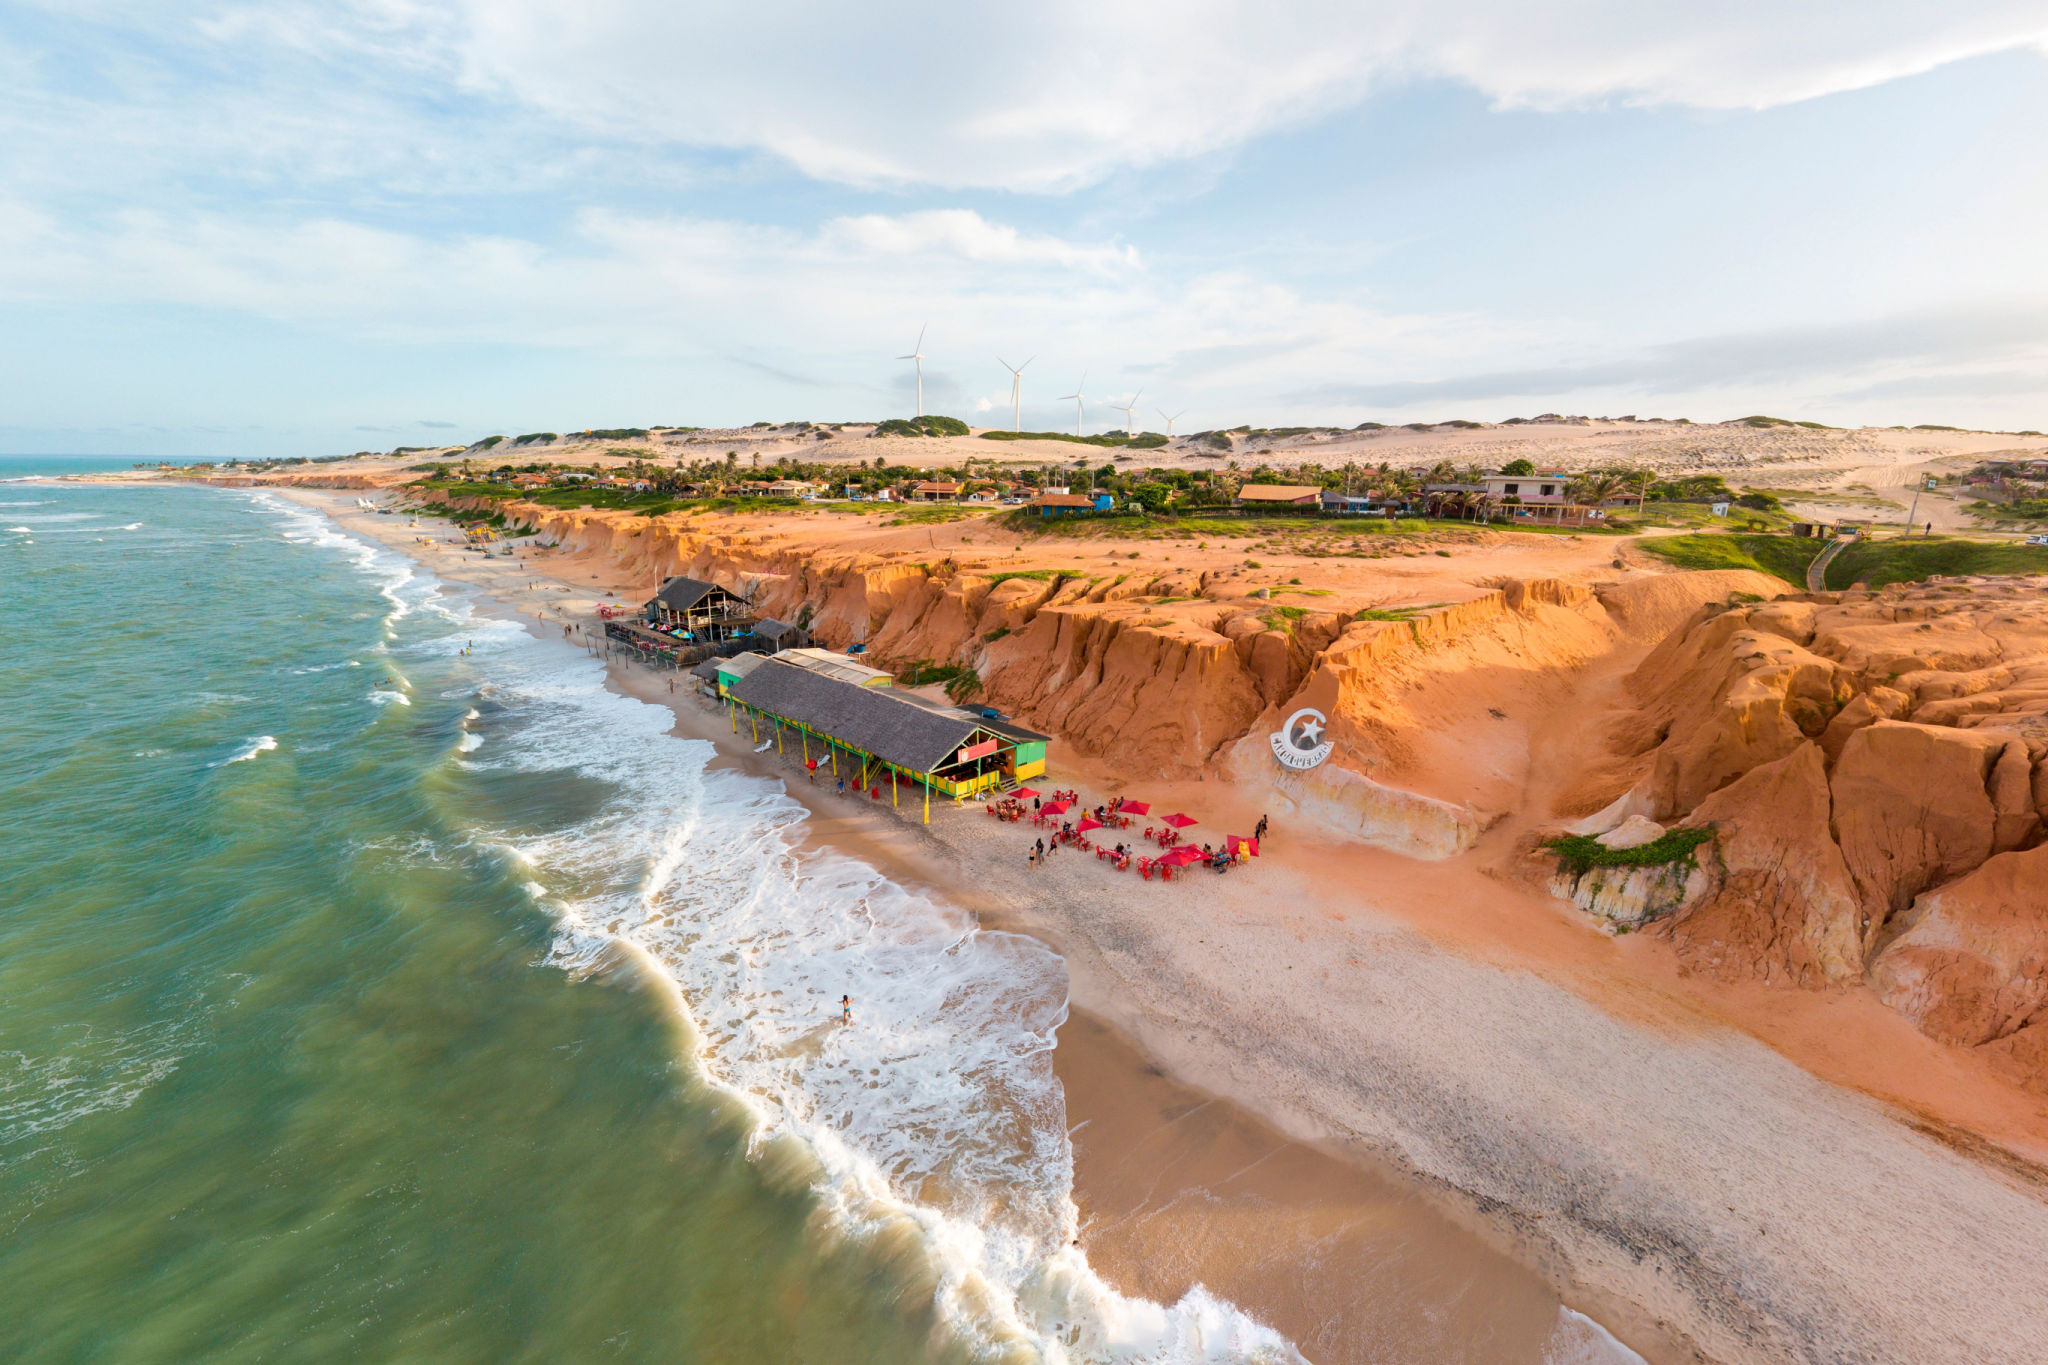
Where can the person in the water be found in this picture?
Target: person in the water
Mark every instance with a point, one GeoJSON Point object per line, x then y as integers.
{"type": "Point", "coordinates": [845, 1009]}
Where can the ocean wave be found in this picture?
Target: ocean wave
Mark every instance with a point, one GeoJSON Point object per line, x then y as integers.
{"type": "Point", "coordinates": [384, 698]}
{"type": "Point", "coordinates": [469, 744]}
{"type": "Point", "coordinates": [393, 573]}
{"type": "Point", "coordinates": [937, 1114]}
{"type": "Point", "coordinates": [261, 744]}
{"type": "Point", "coordinates": [44, 1095]}
{"type": "Point", "coordinates": [53, 518]}
{"type": "Point", "coordinates": [1578, 1340]}
{"type": "Point", "coordinates": [41, 503]}
{"type": "Point", "coordinates": [933, 1131]}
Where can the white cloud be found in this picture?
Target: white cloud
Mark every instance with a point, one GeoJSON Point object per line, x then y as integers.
{"type": "Point", "coordinates": [1063, 92]}
{"type": "Point", "coordinates": [1045, 98]}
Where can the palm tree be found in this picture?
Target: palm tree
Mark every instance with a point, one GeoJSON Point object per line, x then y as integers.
{"type": "Point", "coordinates": [1595, 489]}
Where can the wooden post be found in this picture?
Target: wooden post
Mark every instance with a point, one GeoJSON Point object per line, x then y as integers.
{"type": "Point", "coordinates": [927, 798]}
{"type": "Point", "coordinates": [754, 720]}
{"type": "Point", "coordinates": [806, 742]}
{"type": "Point", "coordinates": [778, 739]}
{"type": "Point", "coordinates": [893, 803]}
{"type": "Point", "coordinates": [835, 756]}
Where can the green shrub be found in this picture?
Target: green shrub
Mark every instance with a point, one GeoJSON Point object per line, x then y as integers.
{"type": "Point", "coordinates": [1581, 853]}
{"type": "Point", "coordinates": [921, 426]}
{"type": "Point", "coordinates": [487, 442]}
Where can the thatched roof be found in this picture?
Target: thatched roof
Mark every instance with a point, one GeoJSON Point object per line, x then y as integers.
{"type": "Point", "coordinates": [872, 719]}
{"type": "Point", "coordinates": [777, 631]}
{"type": "Point", "coordinates": [681, 594]}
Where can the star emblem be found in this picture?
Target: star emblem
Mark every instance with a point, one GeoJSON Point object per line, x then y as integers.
{"type": "Point", "coordinates": [1311, 733]}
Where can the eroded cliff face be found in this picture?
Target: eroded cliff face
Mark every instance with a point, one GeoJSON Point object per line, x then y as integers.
{"type": "Point", "coordinates": [1875, 766]}
{"type": "Point", "coordinates": [1876, 770]}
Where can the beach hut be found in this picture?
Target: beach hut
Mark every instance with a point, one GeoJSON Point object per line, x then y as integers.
{"type": "Point", "coordinates": [944, 749]}
{"type": "Point", "coordinates": [704, 612]}
{"type": "Point", "coordinates": [781, 635]}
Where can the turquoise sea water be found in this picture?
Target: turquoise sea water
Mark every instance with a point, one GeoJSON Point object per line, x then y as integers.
{"type": "Point", "coordinates": [345, 938]}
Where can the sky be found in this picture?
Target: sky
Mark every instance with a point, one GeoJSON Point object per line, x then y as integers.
{"type": "Point", "coordinates": [305, 229]}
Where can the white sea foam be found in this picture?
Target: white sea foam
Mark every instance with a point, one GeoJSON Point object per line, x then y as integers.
{"type": "Point", "coordinates": [25, 504]}
{"type": "Point", "coordinates": [261, 744]}
{"type": "Point", "coordinates": [944, 1086]}
{"type": "Point", "coordinates": [54, 518]}
{"type": "Point", "coordinates": [384, 698]}
{"type": "Point", "coordinates": [936, 1117]}
{"type": "Point", "coordinates": [1578, 1340]}
{"type": "Point", "coordinates": [397, 578]}
{"type": "Point", "coordinates": [469, 744]}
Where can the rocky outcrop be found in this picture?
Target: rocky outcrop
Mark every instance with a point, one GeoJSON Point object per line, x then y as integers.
{"type": "Point", "coordinates": [1969, 963]}
{"type": "Point", "coordinates": [1782, 908]}
{"type": "Point", "coordinates": [1631, 897]}
{"type": "Point", "coordinates": [1875, 767]}
{"type": "Point", "coordinates": [1912, 809]}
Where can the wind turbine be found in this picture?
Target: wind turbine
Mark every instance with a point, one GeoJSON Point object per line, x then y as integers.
{"type": "Point", "coordinates": [1080, 390]}
{"type": "Point", "coordinates": [917, 354]}
{"type": "Point", "coordinates": [1130, 422]}
{"type": "Point", "coordinates": [1016, 392]}
{"type": "Point", "coordinates": [1171, 419]}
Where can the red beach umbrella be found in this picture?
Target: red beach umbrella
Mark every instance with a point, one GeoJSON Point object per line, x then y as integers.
{"type": "Point", "coordinates": [1234, 842]}
{"type": "Point", "coordinates": [1024, 793]}
{"type": "Point", "coordinates": [1057, 807]}
{"type": "Point", "coordinates": [1180, 821]}
{"type": "Point", "coordinates": [1135, 808]}
{"type": "Point", "coordinates": [1087, 825]}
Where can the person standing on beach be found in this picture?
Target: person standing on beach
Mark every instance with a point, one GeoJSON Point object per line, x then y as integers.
{"type": "Point", "coordinates": [1259, 831]}
{"type": "Point", "coordinates": [846, 1009]}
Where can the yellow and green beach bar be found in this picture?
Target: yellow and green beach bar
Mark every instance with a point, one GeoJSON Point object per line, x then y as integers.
{"type": "Point", "coordinates": [879, 733]}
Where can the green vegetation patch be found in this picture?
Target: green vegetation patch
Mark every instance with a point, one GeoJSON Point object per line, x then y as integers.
{"type": "Point", "coordinates": [1784, 557]}
{"type": "Point", "coordinates": [1581, 853]}
{"type": "Point", "coordinates": [927, 514]}
{"type": "Point", "coordinates": [921, 426]}
{"type": "Point", "coordinates": [1144, 442]}
{"type": "Point", "coordinates": [1879, 562]}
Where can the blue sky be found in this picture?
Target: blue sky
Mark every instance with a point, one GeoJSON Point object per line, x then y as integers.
{"type": "Point", "coordinates": [302, 229]}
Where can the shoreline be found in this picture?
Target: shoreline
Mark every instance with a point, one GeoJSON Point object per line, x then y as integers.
{"type": "Point", "coordinates": [1551, 1162]}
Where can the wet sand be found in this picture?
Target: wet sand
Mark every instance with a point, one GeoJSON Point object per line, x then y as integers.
{"type": "Point", "coordinates": [1673, 1177]}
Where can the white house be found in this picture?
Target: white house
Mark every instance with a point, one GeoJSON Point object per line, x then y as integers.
{"type": "Point", "coordinates": [1545, 485]}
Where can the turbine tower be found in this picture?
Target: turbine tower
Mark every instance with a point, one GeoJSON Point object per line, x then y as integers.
{"type": "Point", "coordinates": [1130, 422]}
{"type": "Point", "coordinates": [1077, 395]}
{"type": "Point", "coordinates": [917, 354]}
{"type": "Point", "coordinates": [1171, 418]}
{"type": "Point", "coordinates": [1016, 392]}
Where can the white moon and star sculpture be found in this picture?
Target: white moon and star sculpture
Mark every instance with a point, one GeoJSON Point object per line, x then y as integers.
{"type": "Point", "coordinates": [1303, 742]}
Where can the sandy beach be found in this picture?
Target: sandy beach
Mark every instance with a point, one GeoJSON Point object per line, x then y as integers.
{"type": "Point", "coordinates": [1619, 1131]}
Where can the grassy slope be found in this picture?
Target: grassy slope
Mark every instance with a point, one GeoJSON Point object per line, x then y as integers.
{"type": "Point", "coordinates": [1781, 556]}
{"type": "Point", "coordinates": [1907, 560]}
{"type": "Point", "coordinates": [1877, 562]}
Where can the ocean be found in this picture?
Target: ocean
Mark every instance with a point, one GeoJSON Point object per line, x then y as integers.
{"type": "Point", "coordinates": [374, 984]}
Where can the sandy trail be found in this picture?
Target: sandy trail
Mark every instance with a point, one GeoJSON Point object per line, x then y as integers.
{"type": "Point", "coordinates": [1676, 1178]}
